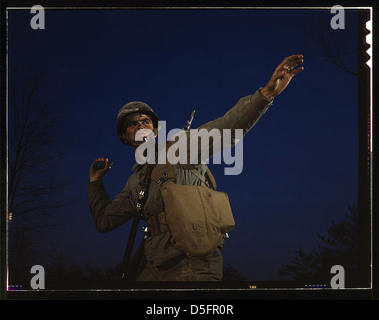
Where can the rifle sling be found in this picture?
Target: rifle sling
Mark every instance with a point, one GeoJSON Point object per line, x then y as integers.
{"type": "Point", "coordinates": [126, 264]}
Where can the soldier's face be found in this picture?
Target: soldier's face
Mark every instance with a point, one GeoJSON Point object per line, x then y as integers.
{"type": "Point", "coordinates": [136, 123]}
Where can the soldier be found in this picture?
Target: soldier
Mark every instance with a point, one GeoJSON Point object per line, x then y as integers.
{"type": "Point", "coordinates": [164, 260]}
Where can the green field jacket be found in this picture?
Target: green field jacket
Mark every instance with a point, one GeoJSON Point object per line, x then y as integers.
{"type": "Point", "coordinates": [109, 214]}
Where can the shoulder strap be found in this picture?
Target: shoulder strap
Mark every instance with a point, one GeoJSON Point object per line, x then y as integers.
{"type": "Point", "coordinates": [142, 196]}
{"type": "Point", "coordinates": [211, 178]}
{"type": "Point", "coordinates": [170, 171]}
{"type": "Point", "coordinates": [158, 177]}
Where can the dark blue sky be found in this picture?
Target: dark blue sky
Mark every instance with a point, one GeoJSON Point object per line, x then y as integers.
{"type": "Point", "coordinates": [300, 160]}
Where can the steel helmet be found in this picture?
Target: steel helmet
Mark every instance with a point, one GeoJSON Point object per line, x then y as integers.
{"type": "Point", "coordinates": [133, 108]}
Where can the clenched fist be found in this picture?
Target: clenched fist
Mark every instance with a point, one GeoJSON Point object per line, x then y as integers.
{"type": "Point", "coordinates": [98, 174]}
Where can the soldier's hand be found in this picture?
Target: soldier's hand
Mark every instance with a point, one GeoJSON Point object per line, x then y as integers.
{"type": "Point", "coordinates": [282, 76]}
{"type": "Point", "coordinates": [98, 174]}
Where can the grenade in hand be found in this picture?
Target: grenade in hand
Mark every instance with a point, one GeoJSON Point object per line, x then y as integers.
{"type": "Point", "coordinates": [100, 164]}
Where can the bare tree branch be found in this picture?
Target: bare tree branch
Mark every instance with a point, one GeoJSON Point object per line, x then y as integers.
{"type": "Point", "coordinates": [330, 41]}
{"type": "Point", "coordinates": [34, 191]}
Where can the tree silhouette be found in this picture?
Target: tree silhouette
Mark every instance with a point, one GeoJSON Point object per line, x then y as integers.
{"type": "Point", "coordinates": [232, 274]}
{"type": "Point", "coordinates": [336, 47]}
{"type": "Point", "coordinates": [64, 274]}
{"type": "Point", "coordinates": [35, 190]}
{"type": "Point", "coordinates": [338, 247]}
{"type": "Point", "coordinates": [333, 44]}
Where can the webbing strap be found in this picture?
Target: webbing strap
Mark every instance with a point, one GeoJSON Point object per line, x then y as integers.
{"type": "Point", "coordinates": [127, 264]}
{"type": "Point", "coordinates": [170, 170]}
{"type": "Point", "coordinates": [158, 177]}
{"type": "Point", "coordinates": [212, 179]}
{"type": "Point", "coordinates": [142, 196]}
{"type": "Point", "coordinates": [197, 174]}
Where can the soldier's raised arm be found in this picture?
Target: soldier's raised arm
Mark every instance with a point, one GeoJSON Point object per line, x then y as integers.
{"type": "Point", "coordinates": [248, 110]}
